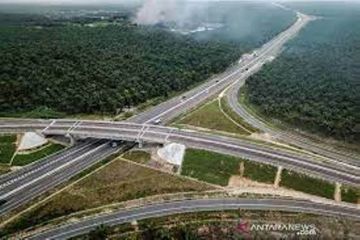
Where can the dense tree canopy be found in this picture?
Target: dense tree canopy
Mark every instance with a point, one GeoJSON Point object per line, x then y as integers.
{"type": "Point", "coordinates": [315, 83]}
{"type": "Point", "coordinates": [71, 66]}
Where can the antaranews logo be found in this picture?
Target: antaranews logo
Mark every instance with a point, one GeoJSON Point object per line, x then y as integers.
{"type": "Point", "coordinates": [245, 228]}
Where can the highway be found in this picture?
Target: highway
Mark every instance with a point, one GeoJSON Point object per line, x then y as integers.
{"type": "Point", "coordinates": [132, 132]}
{"type": "Point", "coordinates": [176, 106]}
{"type": "Point", "coordinates": [164, 209]}
{"type": "Point", "coordinates": [288, 137]}
{"type": "Point", "coordinates": [20, 187]}
{"type": "Point", "coordinates": [165, 111]}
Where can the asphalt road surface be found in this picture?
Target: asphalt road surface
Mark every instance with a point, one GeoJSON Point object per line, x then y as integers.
{"type": "Point", "coordinates": [133, 132]}
{"type": "Point", "coordinates": [18, 193]}
{"type": "Point", "coordinates": [19, 188]}
{"type": "Point", "coordinates": [174, 107]}
{"type": "Point", "coordinates": [187, 206]}
{"type": "Point", "coordinates": [288, 137]}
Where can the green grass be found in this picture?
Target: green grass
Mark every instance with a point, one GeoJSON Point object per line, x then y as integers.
{"type": "Point", "coordinates": [236, 117]}
{"type": "Point", "coordinates": [117, 182]}
{"type": "Point", "coordinates": [4, 168]}
{"type": "Point", "coordinates": [304, 183]}
{"type": "Point", "coordinates": [210, 116]}
{"type": "Point", "coordinates": [138, 156]}
{"type": "Point", "coordinates": [217, 168]}
{"type": "Point", "coordinates": [260, 172]}
{"type": "Point", "coordinates": [350, 194]}
{"type": "Point", "coordinates": [209, 167]}
{"type": "Point", "coordinates": [24, 159]}
{"type": "Point", "coordinates": [7, 148]}
{"type": "Point", "coordinates": [40, 112]}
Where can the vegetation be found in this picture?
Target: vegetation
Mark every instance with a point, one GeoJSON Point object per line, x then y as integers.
{"type": "Point", "coordinates": [210, 116]}
{"type": "Point", "coordinates": [209, 167]}
{"type": "Point", "coordinates": [4, 168]}
{"type": "Point", "coordinates": [350, 194]}
{"type": "Point", "coordinates": [260, 172]}
{"type": "Point", "coordinates": [138, 156]}
{"type": "Point", "coordinates": [217, 168]}
{"type": "Point", "coordinates": [57, 65]}
{"type": "Point", "coordinates": [234, 116]}
{"type": "Point", "coordinates": [314, 83]}
{"type": "Point", "coordinates": [119, 181]}
{"type": "Point", "coordinates": [224, 225]}
{"type": "Point", "coordinates": [7, 148]}
{"type": "Point", "coordinates": [100, 69]}
{"type": "Point", "coordinates": [27, 158]}
{"type": "Point", "coordinates": [101, 232]}
{"type": "Point", "coordinates": [304, 183]}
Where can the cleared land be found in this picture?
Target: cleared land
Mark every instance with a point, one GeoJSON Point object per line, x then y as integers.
{"type": "Point", "coordinates": [210, 116]}
{"type": "Point", "coordinates": [7, 148]}
{"type": "Point", "coordinates": [218, 168]}
{"type": "Point", "coordinates": [119, 181]}
{"type": "Point", "coordinates": [138, 156]}
{"type": "Point", "coordinates": [27, 158]}
{"type": "Point", "coordinates": [304, 183]}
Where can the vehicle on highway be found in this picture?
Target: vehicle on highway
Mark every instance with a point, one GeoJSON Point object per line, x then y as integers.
{"type": "Point", "coordinates": [157, 121]}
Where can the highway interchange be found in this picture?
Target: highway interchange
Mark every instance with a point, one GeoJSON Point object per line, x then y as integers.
{"type": "Point", "coordinates": [132, 132]}
{"type": "Point", "coordinates": [20, 187]}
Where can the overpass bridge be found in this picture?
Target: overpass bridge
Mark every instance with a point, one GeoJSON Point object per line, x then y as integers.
{"type": "Point", "coordinates": [240, 147]}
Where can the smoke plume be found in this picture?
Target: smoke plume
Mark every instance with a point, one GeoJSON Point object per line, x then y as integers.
{"type": "Point", "coordinates": [157, 11]}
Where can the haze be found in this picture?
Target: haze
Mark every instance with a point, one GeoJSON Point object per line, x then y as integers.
{"type": "Point", "coordinates": [132, 1]}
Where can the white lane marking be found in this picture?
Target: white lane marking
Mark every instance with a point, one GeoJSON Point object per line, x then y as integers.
{"type": "Point", "coordinates": [224, 144]}
{"type": "Point", "coordinates": [217, 205]}
{"type": "Point", "coordinates": [49, 173]}
{"type": "Point", "coordinates": [140, 132]}
{"type": "Point", "coordinates": [164, 128]}
{"type": "Point", "coordinates": [118, 126]}
{"type": "Point", "coordinates": [52, 123]}
{"type": "Point", "coordinates": [5, 184]}
{"type": "Point", "coordinates": [144, 132]}
{"type": "Point", "coordinates": [278, 38]}
{"type": "Point", "coordinates": [169, 135]}
{"type": "Point", "coordinates": [73, 127]}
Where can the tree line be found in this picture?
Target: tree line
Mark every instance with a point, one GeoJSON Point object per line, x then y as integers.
{"type": "Point", "coordinates": [315, 83]}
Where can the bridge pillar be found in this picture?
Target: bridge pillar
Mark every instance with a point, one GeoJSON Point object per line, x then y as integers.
{"type": "Point", "coordinates": [141, 144]}
{"type": "Point", "coordinates": [72, 139]}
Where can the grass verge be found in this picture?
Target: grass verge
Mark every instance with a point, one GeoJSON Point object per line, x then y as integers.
{"type": "Point", "coordinates": [24, 159]}
{"type": "Point", "coordinates": [138, 156]}
{"type": "Point", "coordinates": [119, 181]}
{"type": "Point", "coordinates": [4, 168]}
{"type": "Point", "coordinates": [304, 183]}
{"type": "Point", "coordinates": [7, 148]}
{"type": "Point", "coordinates": [217, 168]}
{"type": "Point", "coordinates": [350, 194]}
{"type": "Point", "coordinates": [260, 172]}
{"type": "Point", "coordinates": [226, 108]}
{"type": "Point", "coordinates": [210, 116]}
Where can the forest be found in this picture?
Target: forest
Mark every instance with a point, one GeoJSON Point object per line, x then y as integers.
{"type": "Point", "coordinates": [67, 66]}
{"type": "Point", "coordinates": [315, 83]}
